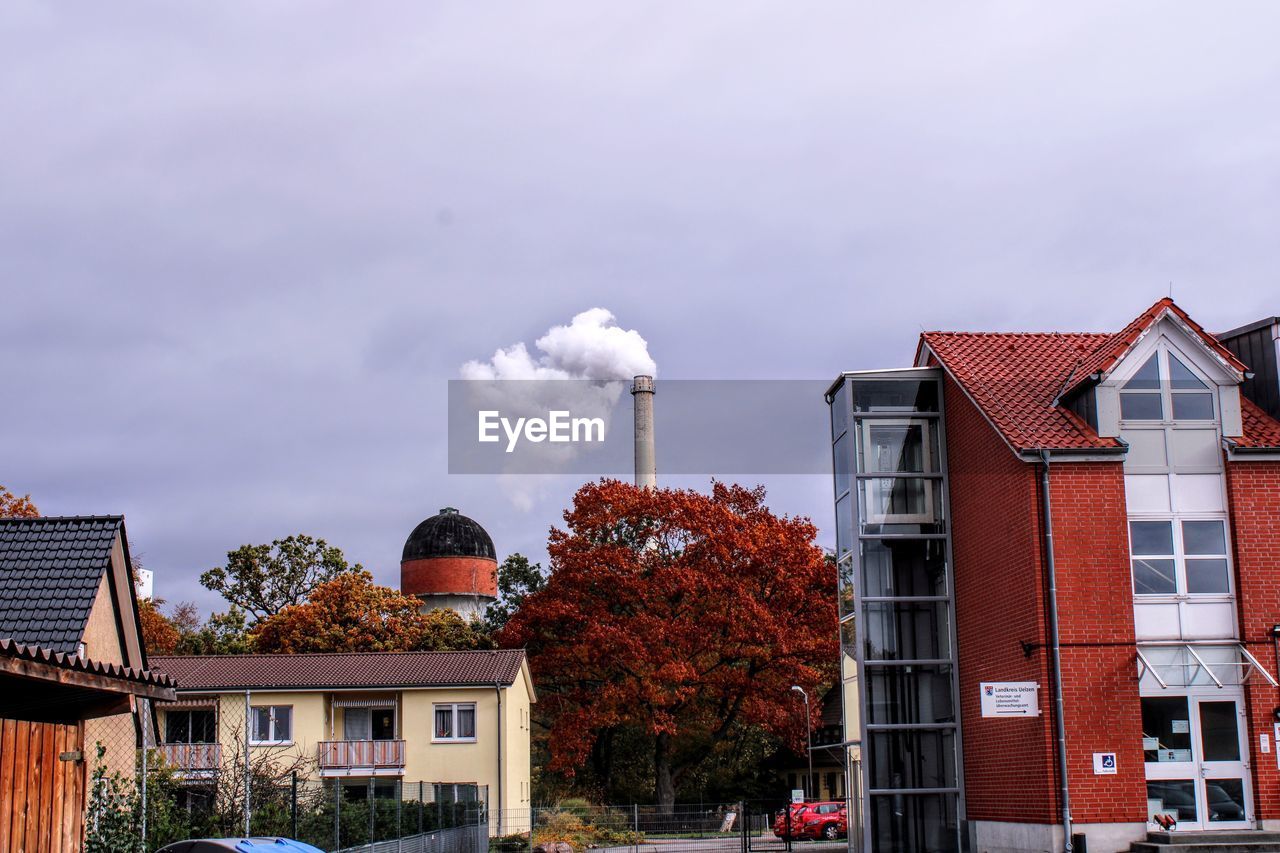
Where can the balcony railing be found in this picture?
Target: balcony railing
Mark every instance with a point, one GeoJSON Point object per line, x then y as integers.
{"type": "Point", "coordinates": [192, 757]}
{"type": "Point", "coordinates": [376, 754]}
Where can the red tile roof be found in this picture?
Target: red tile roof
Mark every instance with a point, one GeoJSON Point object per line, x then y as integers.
{"type": "Point", "coordinates": [1109, 353]}
{"type": "Point", "coordinates": [1261, 431]}
{"type": "Point", "coordinates": [1014, 379]}
{"type": "Point", "coordinates": [347, 670]}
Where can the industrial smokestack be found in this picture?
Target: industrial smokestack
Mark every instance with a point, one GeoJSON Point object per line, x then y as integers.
{"type": "Point", "coordinates": [646, 456]}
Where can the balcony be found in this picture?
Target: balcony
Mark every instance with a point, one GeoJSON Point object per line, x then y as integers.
{"type": "Point", "coordinates": [192, 759]}
{"type": "Point", "coordinates": [361, 757]}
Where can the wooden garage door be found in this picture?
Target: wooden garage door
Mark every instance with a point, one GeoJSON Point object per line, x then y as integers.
{"type": "Point", "coordinates": [41, 796]}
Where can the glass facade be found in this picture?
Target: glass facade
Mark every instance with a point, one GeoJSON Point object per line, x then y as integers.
{"type": "Point", "coordinates": [893, 557]}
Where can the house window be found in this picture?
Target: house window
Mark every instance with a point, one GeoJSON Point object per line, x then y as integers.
{"type": "Point", "coordinates": [272, 724]}
{"type": "Point", "coordinates": [454, 792]}
{"type": "Point", "coordinates": [194, 726]}
{"type": "Point", "coordinates": [1163, 385]}
{"type": "Point", "coordinates": [1179, 557]}
{"type": "Point", "coordinates": [455, 722]}
{"type": "Point", "coordinates": [369, 724]}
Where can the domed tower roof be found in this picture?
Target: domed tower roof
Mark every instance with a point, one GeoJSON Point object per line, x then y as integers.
{"type": "Point", "coordinates": [448, 534]}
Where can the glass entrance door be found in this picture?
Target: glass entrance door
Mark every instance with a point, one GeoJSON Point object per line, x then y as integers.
{"type": "Point", "coordinates": [1222, 767]}
{"type": "Point", "coordinates": [1196, 773]}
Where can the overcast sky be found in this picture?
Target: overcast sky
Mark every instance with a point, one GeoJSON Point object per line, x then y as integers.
{"type": "Point", "coordinates": [244, 245]}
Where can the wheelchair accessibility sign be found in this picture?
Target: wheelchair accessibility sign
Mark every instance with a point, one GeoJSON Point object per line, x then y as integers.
{"type": "Point", "coordinates": [1104, 763]}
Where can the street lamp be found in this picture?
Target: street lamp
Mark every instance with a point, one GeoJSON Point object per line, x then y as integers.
{"type": "Point", "coordinates": [808, 739]}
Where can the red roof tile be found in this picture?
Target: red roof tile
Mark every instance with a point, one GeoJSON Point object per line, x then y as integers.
{"type": "Point", "coordinates": [349, 670]}
{"type": "Point", "coordinates": [1109, 353]}
{"type": "Point", "coordinates": [1261, 431]}
{"type": "Point", "coordinates": [1014, 379]}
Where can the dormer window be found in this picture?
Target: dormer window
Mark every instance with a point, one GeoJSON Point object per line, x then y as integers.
{"type": "Point", "coordinates": [1164, 384]}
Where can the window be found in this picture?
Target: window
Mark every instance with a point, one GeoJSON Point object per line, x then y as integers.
{"type": "Point", "coordinates": [455, 722]}
{"type": "Point", "coordinates": [272, 724]}
{"type": "Point", "coordinates": [898, 447]}
{"type": "Point", "coordinates": [1164, 383]}
{"type": "Point", "coordinates": [451, 792]}
{"type": "Point", "coordinates": [194, 726]}
{"type": "Point", "coordinates": [368, 724]}
{"type": "Point", "coordinates": [1188, 557]}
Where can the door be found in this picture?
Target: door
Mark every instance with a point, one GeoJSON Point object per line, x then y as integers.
{"type": "Point", "coordinates": [1223, 771]}
{"type": "Point", "coordinates": [1195, 752]}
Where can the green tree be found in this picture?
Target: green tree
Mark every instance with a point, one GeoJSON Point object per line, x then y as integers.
{"type": "Point", "coordinates": [517, 579]}
{"type": "Point", "coordinates": [222, 634]}
{"type": "Point", "coordinates": [262, 580]}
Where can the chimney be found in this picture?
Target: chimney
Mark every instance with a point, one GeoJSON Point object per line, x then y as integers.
{"type": "Point", "coordinates": [646, 457]}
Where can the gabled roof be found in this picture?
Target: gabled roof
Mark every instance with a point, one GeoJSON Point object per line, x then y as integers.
{"type": "Point", "coordinates": [1111, 351]}
{"type": "Point", "coordinates": [341, 670]}
{"type": "Point", "coordinates": [1014, 380]}
{"type": "Point", "coordinates": [50, 571]}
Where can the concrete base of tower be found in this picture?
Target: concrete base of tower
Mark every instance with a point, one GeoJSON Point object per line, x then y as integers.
{"type": "Point", "coordinates": [466, 606]}
{"type": "Point", "coordinates": [990, 836]}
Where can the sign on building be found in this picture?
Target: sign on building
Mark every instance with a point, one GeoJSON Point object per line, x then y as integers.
{"type": "Point", "coordinates": [1104, 763]}
{"type": "Point", "coordinates": [1010, 698]}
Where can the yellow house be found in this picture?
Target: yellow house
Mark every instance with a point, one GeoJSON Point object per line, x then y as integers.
{"type": "Point", "coordinates": [452, 726]}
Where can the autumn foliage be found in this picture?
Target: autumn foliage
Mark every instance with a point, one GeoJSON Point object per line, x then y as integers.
{"type": "Point", "coordinates": [683, 614]}
{"type": "Point", "coordinates": [350, 613]}
{"type": "Point", "coordinates": [160, 635]}
{"type": "Point", "coordinates": [13, 506]}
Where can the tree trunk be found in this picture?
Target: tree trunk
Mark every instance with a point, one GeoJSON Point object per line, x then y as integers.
{"type": "Point", "coordinates": [665, 789]}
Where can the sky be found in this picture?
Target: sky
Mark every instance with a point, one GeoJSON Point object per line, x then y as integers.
{"type": "Point", "coordinates": [244, 245]}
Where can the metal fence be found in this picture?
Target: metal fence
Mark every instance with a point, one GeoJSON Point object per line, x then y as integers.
{"type": "Point", "coordinates": [142, 798]}
{"type": "Point", "coordinates": [741, 827]}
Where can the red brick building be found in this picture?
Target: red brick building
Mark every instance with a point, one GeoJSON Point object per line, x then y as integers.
{"type": "Point", "coordinates": [1062, 543]}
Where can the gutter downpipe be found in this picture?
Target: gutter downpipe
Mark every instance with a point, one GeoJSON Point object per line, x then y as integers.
{"type": "Point", "coordinates": [497, 691]}
{"type": "Point", "coordinates": [1055, 643]}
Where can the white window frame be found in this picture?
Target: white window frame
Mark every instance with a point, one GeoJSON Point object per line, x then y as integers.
{"type": "Point", "coordinates": [271, 726]}
{"type": "Point", "coordinates": [454, 707]}
{"type": "Point", "coordinates": [1162, 352]}
{"type": "Point", "coordinates": [1179, 557]}
{"type": "Point", "coordinates": [873, 484]}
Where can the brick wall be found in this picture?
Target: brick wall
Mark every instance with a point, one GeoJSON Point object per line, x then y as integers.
{"type": "Point", "coordinates": [1010, 766]}
{"type": "Point", "coordinates": [1253, 490]}
{"type": "Point", "coordinates": [1095, 606]}
{"type": "Point", "coordinates": [459, 575]}
{"type": "Point", "coordinates": [1008, 763]}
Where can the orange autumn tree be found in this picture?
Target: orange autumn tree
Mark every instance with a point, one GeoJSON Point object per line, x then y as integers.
{"type": "Point", "coordinates": [13, 506]}
{"type": "Point", "coordinates": [350, 613]}
{"type": "Point", "coordinates": [159, 635]}
{"type": "Point", "coordinates": [681, 614]}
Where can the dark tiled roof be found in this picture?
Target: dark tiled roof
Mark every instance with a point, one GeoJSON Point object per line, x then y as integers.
{"type": "Point", "coordinates": [10, 649]}
{"type": "Point", "coordinates": [50, 570]}
{"type": "Point", "coordinates": [348, 670]}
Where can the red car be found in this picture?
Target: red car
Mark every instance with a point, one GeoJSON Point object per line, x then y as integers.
{"type": "Point", "coordinates": [827, 820]}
